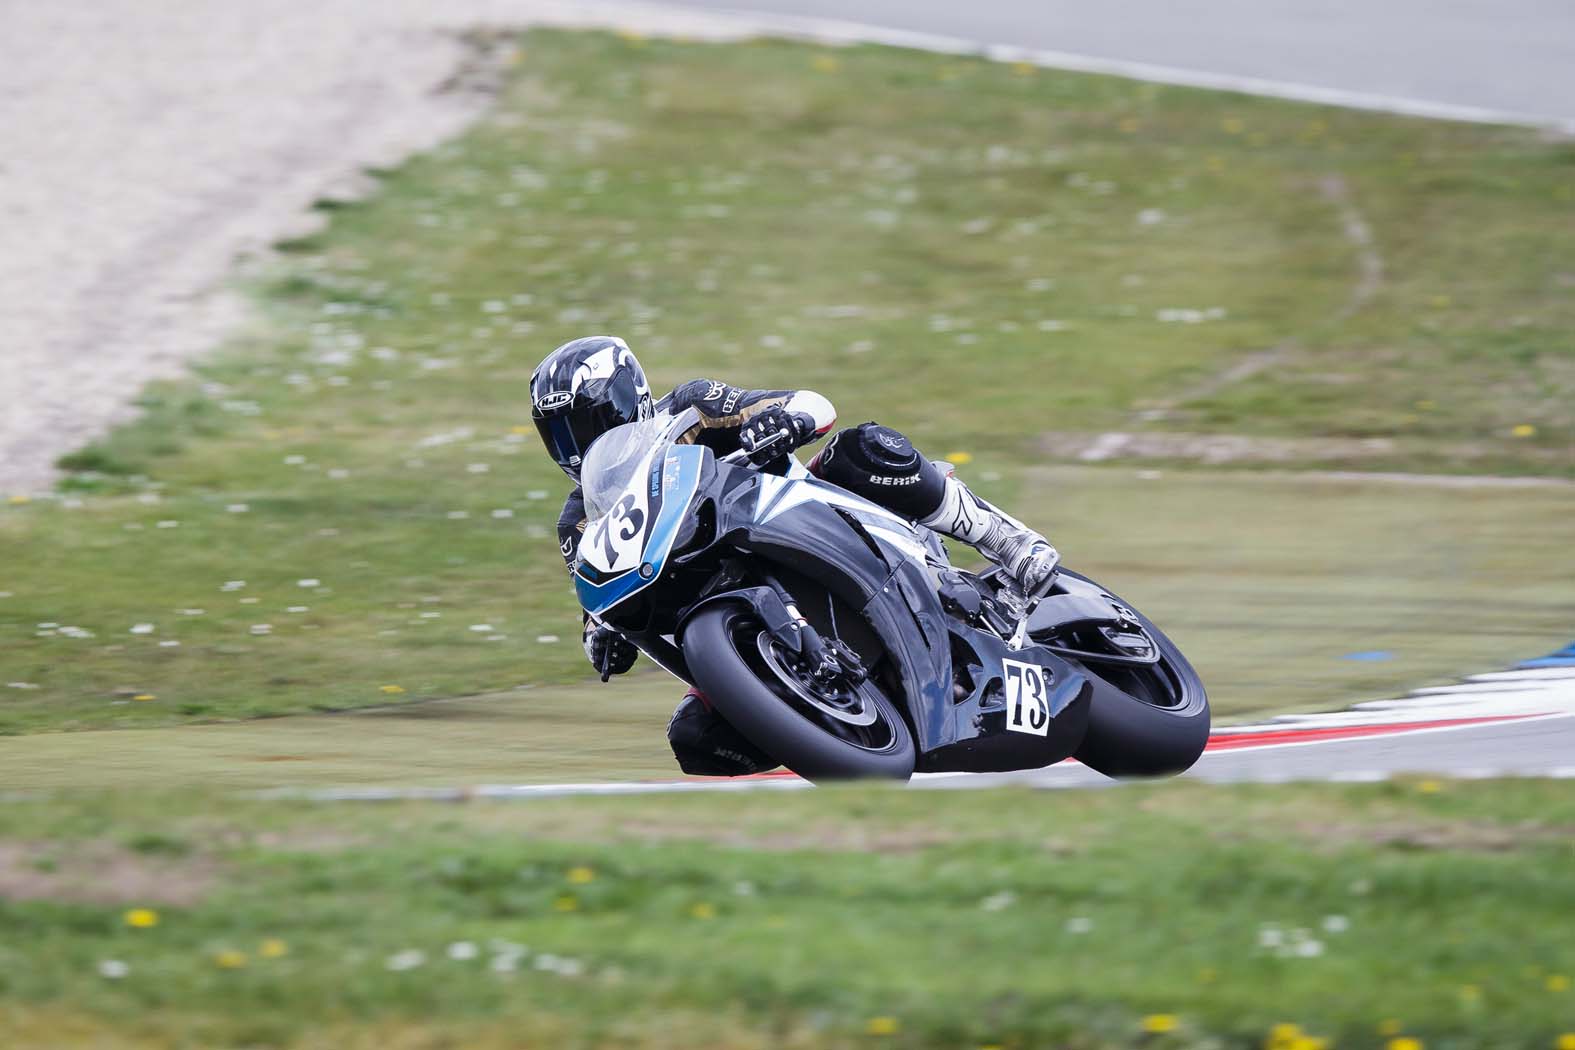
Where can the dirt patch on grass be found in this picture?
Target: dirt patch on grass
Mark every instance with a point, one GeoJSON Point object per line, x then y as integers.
{"type": "Point", "coordinates": [1455, 836]}
{"type": "Point", "coordinates": [897, 839]}
{"type": "Point", "coordinates": [1212, 448]}
{"type": "Point", "coordinates": [1162, 446]}
{"type": "Point", "coordinates": [102, 873]}
{"type": "Point", "coordinates": [837, 839]}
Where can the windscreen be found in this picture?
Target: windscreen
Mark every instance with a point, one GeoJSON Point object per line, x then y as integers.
{"type": "Point", "coordinates": [613, 460]}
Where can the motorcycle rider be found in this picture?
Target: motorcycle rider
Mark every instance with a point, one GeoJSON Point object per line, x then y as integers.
{"type": "Point", "coordinates": [588, 386]}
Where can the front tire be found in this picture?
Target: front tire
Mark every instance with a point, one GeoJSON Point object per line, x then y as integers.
{"type": "Point", "coordinates": [722, 649]}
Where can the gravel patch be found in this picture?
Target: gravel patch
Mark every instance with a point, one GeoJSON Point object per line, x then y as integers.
{"type": "Point", "coordinates": [148, 149]}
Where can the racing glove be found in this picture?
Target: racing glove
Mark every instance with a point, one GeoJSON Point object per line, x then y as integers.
{"type": "Point", "coordinates": [774, 433]}
{"type": "Point", "coordinates": [609, 652]}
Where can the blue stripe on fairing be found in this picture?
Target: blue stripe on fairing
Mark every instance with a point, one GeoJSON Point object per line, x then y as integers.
{"type": "Point", "coordinates": [676, 497]}
{"type": "Point", "coordinates": [1565, 657]}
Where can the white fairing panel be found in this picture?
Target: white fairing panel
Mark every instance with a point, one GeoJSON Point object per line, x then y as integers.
{"type": "Point", "coordinates": [781, 494]}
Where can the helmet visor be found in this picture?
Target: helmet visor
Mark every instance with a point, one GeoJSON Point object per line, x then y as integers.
{"type": "Point", "coordinates": [597, 408]}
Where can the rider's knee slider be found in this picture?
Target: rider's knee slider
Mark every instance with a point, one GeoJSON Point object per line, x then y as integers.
{"type": "Point", "coordinates": [882, 465]}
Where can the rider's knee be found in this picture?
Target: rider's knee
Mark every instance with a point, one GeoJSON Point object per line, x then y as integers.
{"type": "Point", "coordinates": [707, 746]}
{"type": "Point", "coordinates": [882, 465]}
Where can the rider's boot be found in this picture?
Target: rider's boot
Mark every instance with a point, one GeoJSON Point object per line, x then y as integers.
{"type": "Point", "coordinates": [707, 746]}
{"type": "Point", "coordinates": [1027, 557]}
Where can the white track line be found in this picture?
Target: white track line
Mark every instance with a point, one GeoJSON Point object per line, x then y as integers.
{"type": "Point", "coordinates": [832, 31]}
{"type": "Point", "coordinates": [1526, 674]}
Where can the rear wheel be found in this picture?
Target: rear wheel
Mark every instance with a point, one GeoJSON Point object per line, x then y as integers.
{"type": "Point", "coordinates": [1144, 720]}
{"type": "Point", "coordinates": [851, 732]}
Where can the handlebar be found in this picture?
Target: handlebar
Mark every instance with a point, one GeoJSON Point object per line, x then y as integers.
{"type": "Point", "coordinates": [741, 456]}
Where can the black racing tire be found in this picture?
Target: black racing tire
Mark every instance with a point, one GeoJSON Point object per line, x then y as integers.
{"type": "Point", "coordinates": [1130, 738]}
{"type": "Point", "coordinates": [776, 726]}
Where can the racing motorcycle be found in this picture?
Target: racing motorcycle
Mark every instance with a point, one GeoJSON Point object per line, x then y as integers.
{"type": "Point", "coordinates": [838, 638]}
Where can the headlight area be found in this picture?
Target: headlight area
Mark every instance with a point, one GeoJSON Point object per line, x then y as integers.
{"type": "Point", "coordinates": [697, 532]}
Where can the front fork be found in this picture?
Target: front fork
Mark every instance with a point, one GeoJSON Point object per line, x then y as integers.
{"type": "Point", "coordinates": [829, 662]}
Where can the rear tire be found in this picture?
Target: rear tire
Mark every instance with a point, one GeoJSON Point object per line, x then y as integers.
{"type": "Point", "coordinates": [715, 643]}
{"type": "Point", "coordinates": [1130, 738]}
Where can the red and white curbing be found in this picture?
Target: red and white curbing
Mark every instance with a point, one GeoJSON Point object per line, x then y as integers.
{"type": "Point", "coordinates": [1524, 694]}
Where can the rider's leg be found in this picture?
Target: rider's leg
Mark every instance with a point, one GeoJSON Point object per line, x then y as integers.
{"type": "Point", "coordinates": [882, 465]}
{"type": "Point", "coordinates": [707, 746]}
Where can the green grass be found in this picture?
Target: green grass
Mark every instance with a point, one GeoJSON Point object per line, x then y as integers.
{"type": "Point", "coordinates": [972, 252]}
{"type": "Point", "coordinates": [1011, 918]}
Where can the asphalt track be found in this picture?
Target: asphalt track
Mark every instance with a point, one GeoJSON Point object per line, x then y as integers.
{"type": "Point", "coordinates": [1512, 58]}
{"type": "Point", "coordinates": [1515, 723]}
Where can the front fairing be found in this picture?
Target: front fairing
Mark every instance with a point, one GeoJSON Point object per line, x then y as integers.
{"type": "Point", "coordinates": [869, 557]}
{"type": "Point", "coordinates": [641, 488]}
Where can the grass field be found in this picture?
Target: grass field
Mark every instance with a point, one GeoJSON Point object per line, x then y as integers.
{"type": "Point", "coordinates": [838, 918]}
{"type": "Point", "coordinates": [348, 508]}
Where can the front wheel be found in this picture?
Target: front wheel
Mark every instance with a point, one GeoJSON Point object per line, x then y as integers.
{"type": "Point", "coordinates": [855, 733]}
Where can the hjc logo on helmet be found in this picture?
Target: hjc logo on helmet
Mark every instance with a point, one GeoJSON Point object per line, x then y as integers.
{"type": "Point", "coordinates": [554, 400]}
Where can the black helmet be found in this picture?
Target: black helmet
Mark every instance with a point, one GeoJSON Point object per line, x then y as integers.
{"type": "Point", "coordinates": [582, 390]}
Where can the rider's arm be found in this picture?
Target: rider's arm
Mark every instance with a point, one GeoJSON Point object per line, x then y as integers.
{"type": "Point", "coordinates": [571, 526]}
{"type": "Point", "coordinates": [607, 651]}
{"type": "Point", "coordinates": [725, 409]}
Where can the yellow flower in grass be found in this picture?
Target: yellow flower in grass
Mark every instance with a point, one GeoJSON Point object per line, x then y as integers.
{"type": "Point", "coordinates": [144, 696]}
{"type": "Point", "coordinates": [1159, 1024]}
{"type": "Point", "coordinates": [567, 902]}
{"type": "Point", "coordinates": [882, 1026]}
{"type": "Point", "coordinates": [392, 690]}
{"type": "Point", "coordinates": [1283, 1036]}
{"type": "Point", "coordinates": [961, 459]}
{"type": "Point", "coordinates": [826, 64]}
{"type": "Point", "coordinates": [1024, 69]}
{"type": "Point", "coordinates": [580, 875]}
{"type": "Point", "coordinates": [1565, 1042]}
{"type": "Point", "coordinates": [703, 910]}
{"type": "Point", "coordinates": [17, 501]}
{"type": "Point", "coordinates": [230, 959]}
{"type": "Point", "coordinates": [141, 918]}
{"type": "Point", "coordinates": [1524, 430]}
{"type": "Point", "coordinates": [1557, 982]}
{"type": "Point", "coordinates": [273, 948]}
{"type": "Point", "coordinates": [1430, 787]}
{"type": "Point", "coordinates": [1403, 1042]}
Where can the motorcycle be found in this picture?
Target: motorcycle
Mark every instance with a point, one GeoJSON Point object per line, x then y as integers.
{"type": "Point", "coordinates": [838, 638]}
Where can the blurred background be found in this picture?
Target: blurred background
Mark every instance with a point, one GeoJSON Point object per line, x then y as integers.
{"type": "Point", "coordinates": [1262, 313]}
